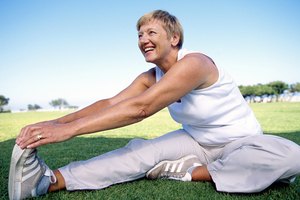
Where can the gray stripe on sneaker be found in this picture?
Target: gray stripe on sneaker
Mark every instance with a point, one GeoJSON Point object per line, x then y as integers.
{"type": "Point", "coordinates": [32, 173]}
{"type": "Point", "coordinates": [33, 165]}
{"type": "Point", "coordinates": [29, 160]}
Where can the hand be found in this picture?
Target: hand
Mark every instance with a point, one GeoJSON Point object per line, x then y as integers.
{"type": "Point", "coordinates": [42, 133]}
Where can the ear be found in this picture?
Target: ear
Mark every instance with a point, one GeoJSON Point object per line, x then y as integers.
{"type": "Point", "coordinates": [175, 40]}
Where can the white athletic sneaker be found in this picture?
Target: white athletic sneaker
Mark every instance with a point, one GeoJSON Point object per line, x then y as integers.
{"type": "Point", "coordinates": [29, 176]}
{"type": "Point", "coordinates": [177, 170]}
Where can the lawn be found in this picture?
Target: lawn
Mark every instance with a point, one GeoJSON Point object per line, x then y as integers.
{"type": "Point", "coordinates": [276, 118]}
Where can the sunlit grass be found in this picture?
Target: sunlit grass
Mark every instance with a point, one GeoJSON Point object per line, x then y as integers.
{"type": "Point", "coordinates": [276, 118]}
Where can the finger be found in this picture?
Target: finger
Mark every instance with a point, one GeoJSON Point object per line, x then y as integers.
{"type": "Point", "coordinates": [31, 138]}
{"type": "Point", "coordinates": [44, 139]}
{"type": "Point", "coordinates": [21, 134]}
{"type": "Point", "coordinates": [38, 143]}
{"type": "Point", "coordinates": [24, 143]}
{"type": "Point", "coordinates": [26, 132]}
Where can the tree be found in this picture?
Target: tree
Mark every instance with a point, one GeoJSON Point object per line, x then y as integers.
{"type": "Point", "coordinates": [246, 90]}
{"type": "Point", "coordinates": [278, 86]}
{"type": "Point", "coordinates": [60, 103]}
{"type": "Point", "coordinates": [33, 107]}
{"type": "Point", "coordinates": [261, 89]}
{"type": "Point", "coordinates": [295, 87]}
{"type": "Point", "coordinates": [3, 101]}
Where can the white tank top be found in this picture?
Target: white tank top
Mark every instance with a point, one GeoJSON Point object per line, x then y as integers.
{"type": "Point", "coordinates": [214, 115]}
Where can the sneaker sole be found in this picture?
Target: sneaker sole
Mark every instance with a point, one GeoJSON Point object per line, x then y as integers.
{"type": "Point", "coordinates": [15, 177]}
{"type": "Point", "coordinates": [170, 161]}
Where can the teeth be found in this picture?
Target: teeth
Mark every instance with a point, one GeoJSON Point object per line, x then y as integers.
{"type": "Point", "coordinates": [148, 49]}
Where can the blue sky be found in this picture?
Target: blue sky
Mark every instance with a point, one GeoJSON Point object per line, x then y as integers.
{"type": "Point", "coordinates": [85, 50]}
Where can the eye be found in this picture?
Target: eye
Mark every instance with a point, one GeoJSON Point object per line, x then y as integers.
{"type": "Point", "coordinates": [152, 32]}
{"type": "Point", "coordinates": [140, 35]}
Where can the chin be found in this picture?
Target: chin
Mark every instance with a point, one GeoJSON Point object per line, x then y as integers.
{"type": "Point", "coordinates": [149, 60]}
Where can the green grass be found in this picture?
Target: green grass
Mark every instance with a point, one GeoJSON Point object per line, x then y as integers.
{"type": "Point", "coordinates": [276, 118]}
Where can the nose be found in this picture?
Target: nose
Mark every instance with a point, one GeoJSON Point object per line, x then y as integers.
{"type": "Point", "coordinates": [143, 39]}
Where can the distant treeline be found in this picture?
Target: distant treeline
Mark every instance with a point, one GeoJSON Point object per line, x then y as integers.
{"type": "Point", "coordinates": [272, 88]}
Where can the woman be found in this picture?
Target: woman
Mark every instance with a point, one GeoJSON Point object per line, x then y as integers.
{"type": "Point", "coordinates": [220, 139]}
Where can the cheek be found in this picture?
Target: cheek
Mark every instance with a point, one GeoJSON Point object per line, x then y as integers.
{"type": "Point", "coordinates": [140, 46]}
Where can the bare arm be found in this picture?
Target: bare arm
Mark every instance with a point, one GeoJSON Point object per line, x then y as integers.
{"type": "Point", "coordinates": [193, 71]}
{"type": "Point", "coordinates": [140, 84]}
{"type": "Point", "coordinates": [62, 126]}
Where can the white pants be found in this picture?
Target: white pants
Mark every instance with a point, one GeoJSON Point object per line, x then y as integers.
{"type": "Point", "coordinates": [246, 165]}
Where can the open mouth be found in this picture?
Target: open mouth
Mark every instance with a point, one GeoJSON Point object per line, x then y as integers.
{"type": "Point", "coordinates": [148, 49]}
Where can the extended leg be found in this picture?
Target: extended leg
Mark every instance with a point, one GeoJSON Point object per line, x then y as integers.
{"type": "Point", "coordinates": [130, 162]}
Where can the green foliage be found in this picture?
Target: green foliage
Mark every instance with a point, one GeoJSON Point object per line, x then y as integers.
{"type": "Point", "coordinates": [60, 103]}
{"type": "Point", "coordinates": [275, 87]}
{"type": "Point", "coordinates": [276, 118]}
{"type": "Point", "coordinates": [256, 90]}
{"type": "Point", "coordinates": [260, 90]}
{"type": "Point", "coordinates": [278, 86]}
{"type": "Point", "coordinates": [295, 87]}
{"type": "Point", "coordinates": [33, 107]}
{"type": "Point", "coordinates": [3, 101]}
{"type": "Point", "coordinates": [247, 90]}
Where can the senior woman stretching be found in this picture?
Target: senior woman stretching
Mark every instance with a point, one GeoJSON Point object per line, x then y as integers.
{"type": "Point", "coordinates": [220, 139]}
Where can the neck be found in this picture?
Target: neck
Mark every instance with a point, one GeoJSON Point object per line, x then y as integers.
{"type": "Point", "coordinates": [169, 61]}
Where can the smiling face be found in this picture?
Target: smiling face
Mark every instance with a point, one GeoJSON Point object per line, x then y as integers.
{"type": "Point", "coordinates": [154, 42]}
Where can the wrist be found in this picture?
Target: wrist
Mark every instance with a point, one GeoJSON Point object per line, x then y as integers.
{"type": "Point", "coordinates": [73, 128]}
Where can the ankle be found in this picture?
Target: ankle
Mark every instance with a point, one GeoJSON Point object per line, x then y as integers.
{"type": "Point", "coordinates": [200, 173]}
{"type": "Point", "coordinates": [59, 184]}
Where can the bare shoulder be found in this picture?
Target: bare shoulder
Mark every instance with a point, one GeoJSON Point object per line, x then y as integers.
{"type": "Point", "coordinates": [200, 59]}
{"type": "Point", "coordinates": [147, 78]}
{"type": "Point", "coordinates": [203, 66]}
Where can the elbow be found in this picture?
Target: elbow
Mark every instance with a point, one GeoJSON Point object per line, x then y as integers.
{"type": "Point", "coordinates": [142, 109]}
{"type": "Point", "coordinates": [142, 114]}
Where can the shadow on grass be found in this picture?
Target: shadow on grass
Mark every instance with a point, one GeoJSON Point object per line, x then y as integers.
{"type": "Point", "coordinates": [82, 148]}
{"type": "Point", "coordinates": [294, 136]}
{"type": "Point", "coordinates": [59, 154]}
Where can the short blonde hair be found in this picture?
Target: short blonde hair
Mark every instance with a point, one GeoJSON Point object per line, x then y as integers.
{"type": "Point", "coordinates": [170, 23]}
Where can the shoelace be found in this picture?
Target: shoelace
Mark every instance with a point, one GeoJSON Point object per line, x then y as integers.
{"type": "Point", "coordinates": [51, 175]}
{"type": "Point", "coordinates": [48, 172]}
